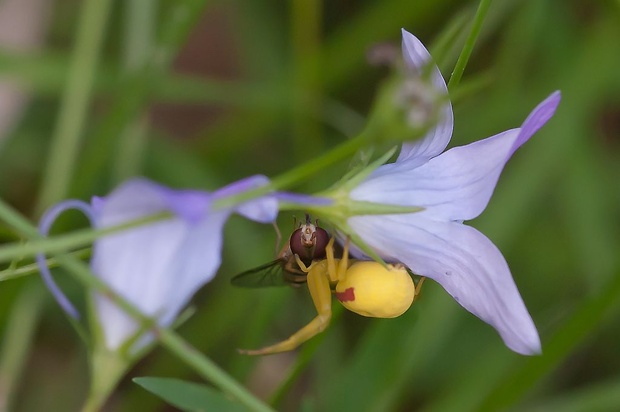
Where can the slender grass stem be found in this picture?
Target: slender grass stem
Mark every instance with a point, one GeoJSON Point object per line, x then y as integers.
{"type": "Point", "coordinates": [71, 118]}
{"type": "Point", "coordinates": [461, 63]}
{"type": "Point", "coordinates": [58, 244]}
{"type": "Point", "coordinates": [140, 32]}
{"type": "Point", "coordinates": [305, 38]}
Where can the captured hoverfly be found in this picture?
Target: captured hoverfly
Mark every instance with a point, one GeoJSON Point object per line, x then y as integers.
{"type": "Point", "coordinates": [308, 242]}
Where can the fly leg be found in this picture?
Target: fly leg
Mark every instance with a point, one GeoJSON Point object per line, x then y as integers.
{"type": "Point", "coordinates": [318, 284]}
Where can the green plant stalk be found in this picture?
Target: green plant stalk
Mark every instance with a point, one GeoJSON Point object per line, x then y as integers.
{"type": "Point", "coordinates": [18, 336]}
{"type": "Point", "coordinates": [461, 63]}
{"type": "Point", "coordinates": [57, 244]}
{"type": "Point", "coordinates": [140, 32]}
{"type": "Point", "coordinates": [73, 110]}
{"type": "Point", "coordinates": [306, 19]}
{"type": "Point", "coordinates": [32, 268]}
{"type": "Point", "coordinates": [301, 172]}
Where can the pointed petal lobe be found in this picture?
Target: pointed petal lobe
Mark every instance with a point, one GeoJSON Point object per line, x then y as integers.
{"type": "Point", "coordinates": [464, 262]}
{"type": "Point", "coordinates": [418, 60]}
{"type": "Point", "coordinates": [458, 184]}
{"type": "Point", "coordinates": [263, 209]}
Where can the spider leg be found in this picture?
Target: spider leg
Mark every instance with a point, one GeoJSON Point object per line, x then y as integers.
{"type": "Point", "coordinates": [343, 265]}
{"type": "Point", "coordinates": [318, 284]}
{"type": "Point", "coordinates": [418, 288]}
{"type": "Point", "coordinates": [331, 261]}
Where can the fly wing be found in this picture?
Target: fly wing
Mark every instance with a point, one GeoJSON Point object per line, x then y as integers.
{"type": "Point", "coordinates": [267, 275]}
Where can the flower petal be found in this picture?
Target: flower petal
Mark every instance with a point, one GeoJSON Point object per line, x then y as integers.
{"type": "Point", "coordinates": [464, 262]}
{"type": "Point", "coordinates": [158, 266]}
{"type": "Point", "coordinates": [458, 184]}
{"type": "Point", "coordinates": [263, 209]}
{"type": "Point", "coordinates": [418, 59]}
{"type": "Point", "coordinates": [537, 119]}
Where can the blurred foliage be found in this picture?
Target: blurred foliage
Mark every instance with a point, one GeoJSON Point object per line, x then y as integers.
{"type": "Point", "coordinates": [233, 88]}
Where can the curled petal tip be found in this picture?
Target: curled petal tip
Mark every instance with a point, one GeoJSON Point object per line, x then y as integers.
{"type": "Point", "coordinates": [537, 119]}
{"type": "Point", "coordinates": [45, 225]}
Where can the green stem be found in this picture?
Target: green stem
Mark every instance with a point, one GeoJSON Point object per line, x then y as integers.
{"type": "Point", "coordinates": [140, 32]}
{"type": "Point", "coordinates": [306, 84]}
{"type": "Point", "coordinates": [62, 243]}
{"type": "Point", "coordinates": [72, 115]}
{"type": "Point", "coordinates": [459, 68]}
{"type": "Point", "coordinates": [299, 173]}
{"type": "Point", "coordinates": [32, 268]}
{"type": "Point", "coordinates": [19, 334]}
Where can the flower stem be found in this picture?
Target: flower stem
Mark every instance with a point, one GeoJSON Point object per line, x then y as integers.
{"type": "Point", "coordinates": [459, 68]}
{"type": "Point", "coordinates": [301, 172]}
{"type": "Point", "coordinates": [80, 238]}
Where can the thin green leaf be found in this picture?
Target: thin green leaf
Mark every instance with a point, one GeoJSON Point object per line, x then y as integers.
{"type": "Point", "coordinates": [189, 396]}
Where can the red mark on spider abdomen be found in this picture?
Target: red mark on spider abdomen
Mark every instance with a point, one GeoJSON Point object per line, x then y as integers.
{"type": "Point", "coordinates": [348, 295]}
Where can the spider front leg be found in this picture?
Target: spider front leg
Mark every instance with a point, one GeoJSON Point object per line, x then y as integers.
{"type": "Point", "coordinates": [318, 285]}
{"type": "Point", "coordinates": [336, 268]}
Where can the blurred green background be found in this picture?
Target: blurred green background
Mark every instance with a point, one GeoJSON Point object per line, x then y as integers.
{"type": "Point", "coordinates": [201, 93]}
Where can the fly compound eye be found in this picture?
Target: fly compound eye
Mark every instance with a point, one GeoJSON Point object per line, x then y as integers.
{"type": "Point", "coordinates": [297, 245]}
{"type": "Point", "coordinates": [321, 239]}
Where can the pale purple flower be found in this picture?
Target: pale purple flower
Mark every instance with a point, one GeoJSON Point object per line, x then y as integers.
{"type": "Point", "coordinates": [157, 266]}
{"type": "Point", "coordinates": [451, 187]}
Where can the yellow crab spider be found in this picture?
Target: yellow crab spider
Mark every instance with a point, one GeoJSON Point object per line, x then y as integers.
{"type": "Point", "coordinates": [367, 288]}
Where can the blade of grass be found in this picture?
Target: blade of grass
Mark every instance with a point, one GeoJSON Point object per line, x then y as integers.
{"type": "Point", "coordinates": [306, 33]}
{"type": "Point", "coordinates": [135, 90]}
{"type": "Point", "coordinates": [73, 110]}
{"type": "Point", "coordinates": [461, 63]}
{"type": "Point", "coordinates": [140, 30]}
{"type": "Point", "coordinates": [18, 336]}
{"type": "Point", "coordinates": [33, 268]}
